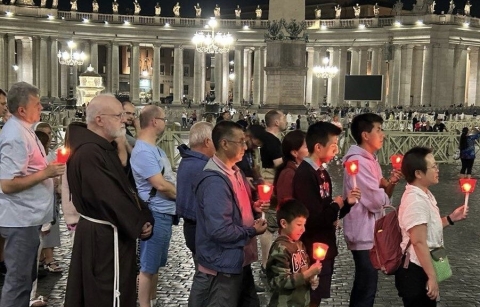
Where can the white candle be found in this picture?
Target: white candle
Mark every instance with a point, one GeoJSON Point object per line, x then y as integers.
{"type": "Point", "coordinates": [466, 203]}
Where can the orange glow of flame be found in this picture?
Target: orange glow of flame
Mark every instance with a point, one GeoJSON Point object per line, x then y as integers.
{"type": "Point", "coordinates": [319, 251]}
{"type": "Point", "coordinates": [467, 185]}
{"type": "Point", "coordinates": [352, 167]}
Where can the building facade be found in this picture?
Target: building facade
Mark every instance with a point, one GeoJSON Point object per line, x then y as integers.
{"type": "Point", "coordinates": [426, 59]}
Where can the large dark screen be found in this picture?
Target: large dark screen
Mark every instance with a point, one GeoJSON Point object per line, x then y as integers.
{"type": "Point", "coordinates": [363, 87]}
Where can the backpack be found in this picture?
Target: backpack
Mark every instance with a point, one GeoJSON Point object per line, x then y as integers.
{"type": "Point", "coordinates": [386, 254]}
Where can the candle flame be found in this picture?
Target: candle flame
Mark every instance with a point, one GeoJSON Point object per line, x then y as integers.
{"type": "Point", "coordinates": [353, 167]}
{"type": "Point", "coordinates": [266, 188]}
{"type": "Point", "coordinates": [398, 160]}
{"type": "Point", "coordinates": [467, 187]}
{"type": "Point", "coordinates": [64, 151]}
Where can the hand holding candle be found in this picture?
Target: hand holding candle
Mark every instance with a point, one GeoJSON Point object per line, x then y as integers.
{"type": "Point", "coordinates": [468, 186]}
{"type": "Point", "coordinates": [63, 154]}
{"type": "Point", "coordinates": [396, 161]}
{"type": "Point", "coordinates": [352, 169]}
{"type": "Point", "coordinates": [264, 193]}
{"type": "Point", "coordinates": [319, 253]}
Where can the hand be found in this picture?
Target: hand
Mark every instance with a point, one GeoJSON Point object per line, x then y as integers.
{"type": "Point", "coordinates": [339, 201]}
{"type": "Point", "coordinates": [432, 289]}
{"type": "Point", "coordinates": [314, 282]}
{"type": "Point", "coordinates": [395, 176]}
{"type": "Point", "coordinates": [261, 206]}
{"type": "Point", "coordinates": [136, 124]}
{"type": "Point", "coordinates": [260, 226]}
{"type": "Point", "coordinates": [315, 268]}
{"type": "Point", "coordinates": [146, 230]}
{"type": "Point", "coordinates": [354, 196]}
{"type": "Point", "coordinates": [458, 214]}
{"type": "Point", "coordinates": [55, 169]}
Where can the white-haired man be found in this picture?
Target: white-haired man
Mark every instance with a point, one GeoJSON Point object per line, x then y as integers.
{"type": "Point", "coordinates": [103, 266]}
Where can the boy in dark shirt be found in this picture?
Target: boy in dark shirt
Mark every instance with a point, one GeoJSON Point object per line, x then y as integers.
{"type": "Point", "coordinates": [313, 187]}
{"type": "Point", "coordinates": [288, 271]}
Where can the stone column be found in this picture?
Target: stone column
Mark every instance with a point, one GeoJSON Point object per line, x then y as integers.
{"type": "Point", "coordinates": [115, 68]}
{"type": "Point", "coordinates": [445, 63]}
{"type": "Point", "coordinates": [339, 94]}
{"type": "Point", "coordinates": [238, 68]}
{"type": "Point", "coordinates": [417, 66]}
{"type": "Point", "coordinates": [264, 84]}
{"type": "Point", "coordinates": [85, 48]}
{"type": "Point", "coordinates": [310, 75]}
{"type": "Point", "coordinates": [460, 70]}
{"type": "Point", "coordinates": [12, 74]}
{"type": "Point", "coordinates": [375, 65]}
{"type": "Point", "coordinates": [406, 75]}
{"type": "Point", "coordinates": [177, 74]}
{"type": "Point", "coordinates": [53, 68]}
{"type": "Point", "coordinates": [64, 73]}
{"type": "Point", "coordinates": [218, 78]}
{"type": "Point", "coordinates": [477, 67]}
{"type": "Point", "coordinates": [156, 73]}
{"type": "Point", "coordinates": [134, 72]}
{"type": "Point", "coordinates": [427, 67]}
{"type": "Point", "coordinates": [396, 76]}
{"type": "Point", "coordinates": [363, 60]}
{"type": "Point", "coordinates": [435, 54]}
{"type": "Point", "coordinates": [258, 75]}
{"type": "Point", "coordinates": [108, 70]}
{"type": "Point", "coordinates": [319, 91]}
{"type": "Point", "coordinates": [248, 74]}
{"type": "Point", "coordinates": [225, 76]}
{"type": "Point", "coordinates": [94, 56]}
{"type": "Point", "coordinates": [30, 56]}
{"type": "Point", "coordinates": [43, 65]}
{"type": "Point", "coordinates": [332, 85]}
{"type": "Point", "coordinates": [473, 75]}
{"type": "Point", "coordinates": [198, 81]}
{"type": "Point", "coordinates": [354, 61]}
{"type": "Point", "coordinates": [3, 63]}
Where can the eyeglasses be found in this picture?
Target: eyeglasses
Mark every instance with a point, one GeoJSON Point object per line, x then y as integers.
{"type": "Point", "coordinates": [129, 113]}
{"type": "Point", "coordinates": [118, 116]}
{"type": "Point", "coordinates": [161, 118]}
{"type": "Point", "coordinates": [242, 143]}
{"type": "Point", "coordinates": [435, 167]}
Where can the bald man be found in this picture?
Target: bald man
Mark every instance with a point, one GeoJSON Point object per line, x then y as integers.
{"type": "Point", "coordinates": [109, 207]}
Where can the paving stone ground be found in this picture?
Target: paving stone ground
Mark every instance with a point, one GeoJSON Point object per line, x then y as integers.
{"type": "Point", "coordinates": [462, 242]}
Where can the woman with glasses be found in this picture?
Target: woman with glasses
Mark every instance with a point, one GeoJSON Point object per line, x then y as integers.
{"type": "Point", "coordinates": [422, 229]}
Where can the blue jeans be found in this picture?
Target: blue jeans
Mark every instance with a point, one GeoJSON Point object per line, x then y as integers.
{"type": "Point", "coordinates": [365, 282]}
{"type": "Point", "coordinates": [21, 247]}
{"type": "Point", "coordinates": [154, 251]}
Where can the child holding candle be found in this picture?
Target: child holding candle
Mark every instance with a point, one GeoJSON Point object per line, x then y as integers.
{"type": "Point", "coordinates": [288, 271]}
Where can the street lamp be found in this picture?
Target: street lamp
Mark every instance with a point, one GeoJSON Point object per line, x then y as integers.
{"type": "Point", "coordinates": [211, 42]}
{"type": "Point", "coordinates": [71, 58]}
{"type": "Point", "coordinates": [325, 71]}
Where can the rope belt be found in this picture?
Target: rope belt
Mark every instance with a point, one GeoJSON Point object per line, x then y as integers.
{"type": "Point", "coordinates": [116, 260]}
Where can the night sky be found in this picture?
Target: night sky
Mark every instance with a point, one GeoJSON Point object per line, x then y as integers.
{"type": "Point", "coordinates": [228, 6]}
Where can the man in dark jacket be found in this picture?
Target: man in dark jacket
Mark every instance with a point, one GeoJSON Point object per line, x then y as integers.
{"type": "Point", "coordinates": [225, 244]}
{"type": "Point", "coordinates": [193, 161]}
{"type": "Point", "coordinates": [111, 212]}
{"type": "Point", "coordinates": [313, 187]}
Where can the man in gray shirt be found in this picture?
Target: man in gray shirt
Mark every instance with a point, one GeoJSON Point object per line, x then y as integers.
{"type": "Point", "coordinates": [27, 193]}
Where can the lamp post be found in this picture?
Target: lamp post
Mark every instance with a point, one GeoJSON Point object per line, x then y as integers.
{"type": "Point", "coordinates": [325, 71]}
{"type": "Point", "coordinates": [71, 58]}
{"type": "Point", "coordinates": [211, 42]}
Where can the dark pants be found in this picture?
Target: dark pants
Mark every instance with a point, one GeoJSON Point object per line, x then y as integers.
{"type": "Point", "coordinates": [21, 248]}
{"type": "Point", "coordinates": [248, 296]}
{"type": "Point", "coordinates": [411, 284]}
{"type": "Point", "coordinates": [467, 165]}
{"type": "Point", "coordinates": [324, 282]}
{"type": "Point", "coordinates": [189, 228]}
{"type": "Point", "coordinates": [215, 291]}
{"type": "Point", "coordinates": [365, 282]}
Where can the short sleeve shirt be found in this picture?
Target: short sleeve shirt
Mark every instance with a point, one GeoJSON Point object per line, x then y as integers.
{"type": "Point", "coordinates": [270, 150]}
{"type": "Point", "coordinates": [416, 208]}
{"type": "Point", "coordinates": [147, 161]}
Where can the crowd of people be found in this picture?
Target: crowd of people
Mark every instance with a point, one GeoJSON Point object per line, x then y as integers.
{"type": "Point", "coordinates": [118, 189]}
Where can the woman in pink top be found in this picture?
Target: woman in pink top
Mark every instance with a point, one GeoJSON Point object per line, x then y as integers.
{"type": "Point", "coordinates": [294, 149]}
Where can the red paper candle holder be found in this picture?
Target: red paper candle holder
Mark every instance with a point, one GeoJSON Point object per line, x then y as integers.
{"type": "Point", "coordinates": [319, 251]}
{"type": "Point", "coordinates": [265, 191]}
{"type": "Point", "coordinates": [468, 185]}
{"type": "Point", "coordinates": [63, 154]}
{"type": "Point", "coordinates": [396, 161]}
{"type": "Point", "coordinates": [352, 167]}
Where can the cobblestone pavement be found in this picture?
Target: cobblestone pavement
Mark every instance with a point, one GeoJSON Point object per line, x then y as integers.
{"type": "Point", "coordinates": [462, 242]}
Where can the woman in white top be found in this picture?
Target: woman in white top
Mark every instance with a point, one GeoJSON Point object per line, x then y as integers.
{"type": "Point", "coordinates": [421, 223]}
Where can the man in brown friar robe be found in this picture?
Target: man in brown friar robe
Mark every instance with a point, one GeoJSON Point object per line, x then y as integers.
{"type": "Point", "coordinates": [103, 196]}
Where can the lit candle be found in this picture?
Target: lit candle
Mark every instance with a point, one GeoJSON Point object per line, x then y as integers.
{"type": "Point", "coordinates": [264, 193]}
{"type": "Point", "coordinates": [396, 161]}
{"type": "Point", "coordinates": [62, 154]}
{"type": "Point", "coordinates": [352, 170]}
{"type": "Point", "coordinates": [319, 253]}
{"type": "Point", "coordinates": [468, 186]}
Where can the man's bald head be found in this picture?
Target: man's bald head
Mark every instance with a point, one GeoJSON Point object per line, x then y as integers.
{"type": "Point", "coordinates": [100, 104]}
{"type": "Point", "coordinates": [149, 113]}
{"type": "Point", "coordinates": [105, 117]}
